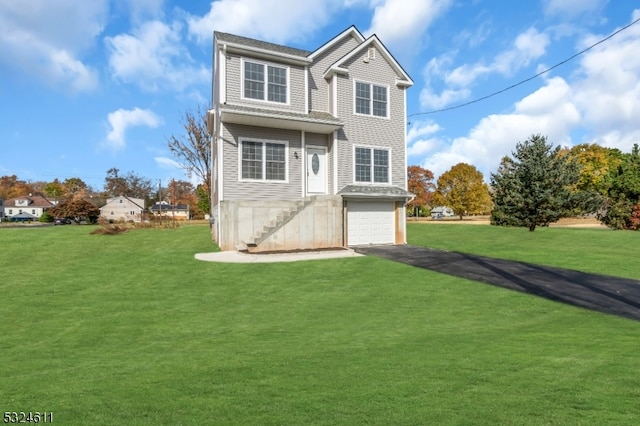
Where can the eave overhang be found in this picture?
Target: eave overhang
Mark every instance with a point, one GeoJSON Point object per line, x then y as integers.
{"type": "Point", "coordinates": [318, 123]}
{"type": "Point", "coordinates": [265, 54]}
{"type": "Point", "coordinates": [376, 192]}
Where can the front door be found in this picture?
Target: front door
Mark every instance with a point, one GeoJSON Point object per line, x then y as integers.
{"type": "Point", "coordinates": [316, 170]}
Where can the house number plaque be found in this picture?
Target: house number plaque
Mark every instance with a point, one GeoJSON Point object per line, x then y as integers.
{"type": "Point", "coordinates": [315, 164]}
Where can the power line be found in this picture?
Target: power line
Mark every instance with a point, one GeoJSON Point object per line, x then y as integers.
{"type": "Point", "coordinates": [530, 78]}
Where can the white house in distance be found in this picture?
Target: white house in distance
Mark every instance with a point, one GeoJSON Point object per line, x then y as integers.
{"type": "Point", "coordinates": [123, 209]}
{"type": "Point", "coordinates": [309, 148]}
{"type": "Point", "coordinates": [26, 208]}
{"type": "Point", "coordinates": [170, 211]}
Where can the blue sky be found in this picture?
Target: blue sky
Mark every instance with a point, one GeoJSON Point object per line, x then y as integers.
{"type": "Point", "coordinates": [90, 85]}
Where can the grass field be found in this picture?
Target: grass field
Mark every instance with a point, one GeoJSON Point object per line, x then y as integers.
{"type": "Point", "coordinates": [130, 329]}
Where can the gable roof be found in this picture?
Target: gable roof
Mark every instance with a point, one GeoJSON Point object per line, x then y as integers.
{"type": "Point", "coordinates": [132, 200]}
{"type": "Point", "coordinates": [34, 201]}
{"type": "Point", "coordinates": [259, 48]}
{"type": "Point", "coordinates": [352, 31]}
{"type": "Point", "coordinates": [337, 67]}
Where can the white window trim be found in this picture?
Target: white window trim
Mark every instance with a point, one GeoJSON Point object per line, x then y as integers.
{"type": "Point", "coordinates": [371, 84]}
{"type": "Point", "coordinates": [371, 147]}
{"type": "Point", "coordinates": [264, 142]}
{"type": "Point", "coordinates": [266, 83]}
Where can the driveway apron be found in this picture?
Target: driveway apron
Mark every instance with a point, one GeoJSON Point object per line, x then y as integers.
{"type": "Point", "coordinates": [611, 295]}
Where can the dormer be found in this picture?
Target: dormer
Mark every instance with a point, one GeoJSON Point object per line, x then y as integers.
{"type": "Point", "coordinates": [22, 202]}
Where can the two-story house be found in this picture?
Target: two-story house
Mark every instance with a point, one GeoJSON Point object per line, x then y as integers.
{"type": "Point", "coordinates": [26, 208]}
{"type": "Point", "coordinates": [309, 148]}
{"type": "Point", "coordinates": [123, 209]}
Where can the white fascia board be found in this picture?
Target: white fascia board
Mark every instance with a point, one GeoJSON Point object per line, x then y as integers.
{"type": "Point", "coordinates": [267, 54]}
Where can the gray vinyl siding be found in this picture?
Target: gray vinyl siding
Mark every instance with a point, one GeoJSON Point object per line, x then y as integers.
{"type": "Point", "coordinates": [234, 189]}
{"type": "Point", "coordinates": [234, 86]}
{"type": "Point", "coordinates": [319, 94]}
{"type": "Point", "coordinates": [370, 130]}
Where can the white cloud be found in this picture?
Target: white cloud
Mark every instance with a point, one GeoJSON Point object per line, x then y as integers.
{"type": "Point", "coordinates": [139, 10]}
{"type": "Point", "coordinates": [527, 47]}
{"type": "Point", "coordinates": [421, 139]}
{"type": "Point", "coordinates": [608, 88]}
{"type": "Point", "coordinates": [278, 21]}
{"type": "Point", "coordinates": [397, 21]}
{"type": "Point", "coordinates": [47, 38]}
{"type": "Point", "coordinates": [167, 163]}
{"type": "Point", "coordinates": [154, 57]}
{"type": "Point", "coordinates": [122, 119]}
{"type": "Point", "coordinates": [549, 111]}
{"type": "Point", "coordinates": [430, 99]}
{"type": "Point", "coordinates": [572, 8]}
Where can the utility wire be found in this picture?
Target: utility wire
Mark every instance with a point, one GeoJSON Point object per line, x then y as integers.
{"type": "Point", "coordinates": [530, 78]}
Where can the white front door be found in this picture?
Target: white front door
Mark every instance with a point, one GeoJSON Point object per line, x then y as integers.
{"type": "Point", "coordinates": [316, 170]}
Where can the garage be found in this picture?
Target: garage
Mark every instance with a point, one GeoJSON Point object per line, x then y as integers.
{"type": "Point", "coordinates": [370, 222]}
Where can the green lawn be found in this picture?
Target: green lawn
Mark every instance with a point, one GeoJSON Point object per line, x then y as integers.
{"type": "Point", "coordinates": [598, 250]}
{"type": "Point", "coordinates": [130, 329]}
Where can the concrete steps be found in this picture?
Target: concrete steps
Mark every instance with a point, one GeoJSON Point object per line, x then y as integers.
{"type": "Point", "coordinates": [276, 224]}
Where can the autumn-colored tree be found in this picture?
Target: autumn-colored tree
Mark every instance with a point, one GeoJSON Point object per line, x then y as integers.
{"type": "Point", "coordinates": [54, 190]}
{"type": "Point", "coordinates": [463, 189]}
{"type": "Point", "coordinates": [130, 185]}
{"type": "Point", "coordinates": [623, 193]}
{"type": "Point", "coordinates": [11, 187]}
{"type": "Point", "coordinates": [180, 192]}
{"type": "Point", "coordinates": [73, 186]}
{"type": "Point", "coordinates": [597, 164]}
{"type": "Point", "coordinates": [77, 210]}
{"type": "Point", "coordinates": [419, 183]}
{"type": "Point", "coordinates": [193, 149]}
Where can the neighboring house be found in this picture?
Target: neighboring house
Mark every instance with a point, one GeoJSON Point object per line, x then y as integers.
{"type": "Point", "coordinates": [123, 208]}
{"type": "Point", "coordinates": [26, 208]}
{"type": "Point", "coordinates": [309, 148]}
{"type": "Point", "coordinates": [170, 211]}
{"type": "Point", "coordinates": [1, 209]}
{"type": "Point", "coordinates": [442, 211]}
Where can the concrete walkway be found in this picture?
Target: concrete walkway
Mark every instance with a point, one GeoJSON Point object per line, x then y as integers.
{"type": "Point", "coordinates": [240, 257]}
{"type": "Point", "coordinates": [612, 295]}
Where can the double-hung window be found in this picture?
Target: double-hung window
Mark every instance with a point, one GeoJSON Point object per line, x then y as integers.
{"type": "Point", "coordinates": [371, 165]}
{"type": "Point", "coordinates": [263, 160]}
{"type": "Point", "coordinates": [371, 99]}
{"type": "Point", "coordinates": [265, 82]}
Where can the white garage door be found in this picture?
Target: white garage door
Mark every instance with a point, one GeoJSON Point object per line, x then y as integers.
{"type": "Point", "coordinates": [370, 222]}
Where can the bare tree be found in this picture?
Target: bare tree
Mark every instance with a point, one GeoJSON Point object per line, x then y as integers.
{"type": "Point", "coordinates": [193, 149]}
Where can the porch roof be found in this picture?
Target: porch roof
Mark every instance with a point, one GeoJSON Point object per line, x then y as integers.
{"type": "Point", "coordinates": [388, 192]}
{"type": "Point", "coordinates": [314, 121]}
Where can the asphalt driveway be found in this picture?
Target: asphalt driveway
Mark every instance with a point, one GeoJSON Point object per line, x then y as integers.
{"type": "Point", "coordinates": [611, 295]}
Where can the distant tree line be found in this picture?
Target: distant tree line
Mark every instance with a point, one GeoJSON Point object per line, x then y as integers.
{"type": "Point", "coordinates": [192, 150]}
{"type": "Point", "coordinates": [74, 198]}
{"type": "Point", "coordinates": [540, 184]}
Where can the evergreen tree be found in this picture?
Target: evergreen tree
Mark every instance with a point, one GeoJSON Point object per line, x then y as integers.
{"type": "Point", "coordinates": [537, 186]}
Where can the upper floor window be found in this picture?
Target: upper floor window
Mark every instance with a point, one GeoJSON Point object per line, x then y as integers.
{"type": "Point", "coordinates": [262, 160]}
{"type": "Point", "coordinates": [371, 99]}
{"type": "Point", "coordinates": [371, 165]}
{"type": "Point", "coordinates": [265, 82]}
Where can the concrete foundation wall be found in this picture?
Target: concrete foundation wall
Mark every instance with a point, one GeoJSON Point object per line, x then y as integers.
{"type": "Point", "coordinates": [319, 225]}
